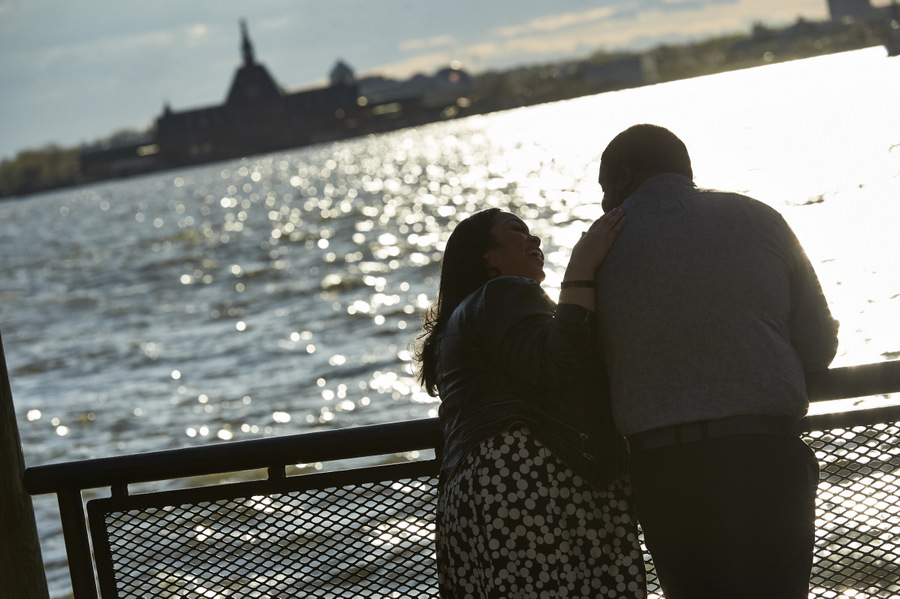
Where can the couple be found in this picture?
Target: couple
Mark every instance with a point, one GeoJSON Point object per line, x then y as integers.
{"type": "Point", "coordinates": [691, 341]}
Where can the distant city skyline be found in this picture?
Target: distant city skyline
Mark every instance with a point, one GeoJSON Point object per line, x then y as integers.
{"type": "Point", "coordinates": [76, 71]}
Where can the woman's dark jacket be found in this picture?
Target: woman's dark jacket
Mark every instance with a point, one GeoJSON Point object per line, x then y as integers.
{"type": "Point", "coordinates": [509, 355]}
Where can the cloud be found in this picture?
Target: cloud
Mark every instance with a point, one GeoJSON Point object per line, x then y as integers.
{"type": "Point", "coordinates": [550, 23]}
{"type": "Point", "coordinates": [432, 42]}
{"type": "Point", "coordinates": [702, 21]}
{"type": "Point", "coordinates": [122, 46]}
{"type": "Point", "coordinates": [197, 32]}
{"type": "Point", "coordinates": [422, 63]}
{"type": "Point", "coordinates": [574, 34]}
{"type": "Point", "coordinates": [533, 47]}
{"type": "Point", "coordinates": [577, 34]}
{"type": "Point", "coordinates": [629, 26]}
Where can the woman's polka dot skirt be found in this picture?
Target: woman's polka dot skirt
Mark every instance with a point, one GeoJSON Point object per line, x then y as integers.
{"type": "Point", "coordinates": [514, 522]}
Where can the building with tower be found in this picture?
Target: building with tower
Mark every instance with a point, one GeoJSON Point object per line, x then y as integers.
{"type": "Point", "coordinates": [258, 116]}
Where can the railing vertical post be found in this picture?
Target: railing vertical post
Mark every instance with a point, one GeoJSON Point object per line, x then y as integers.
{"type": "Point", "coordinates": [78, 545]}
{"type": "Point", "coordinates": [21, 566]}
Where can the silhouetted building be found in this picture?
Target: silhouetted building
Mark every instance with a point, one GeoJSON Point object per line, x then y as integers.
{"type": "Point", "coordinates": [258, 116]}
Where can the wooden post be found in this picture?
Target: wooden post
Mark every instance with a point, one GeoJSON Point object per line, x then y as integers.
{"type": "Point", "coordinates": [21, 566]}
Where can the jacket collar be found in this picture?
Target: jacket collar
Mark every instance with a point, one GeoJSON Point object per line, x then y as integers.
{"type": "Point", "coordinates": [657, 186]}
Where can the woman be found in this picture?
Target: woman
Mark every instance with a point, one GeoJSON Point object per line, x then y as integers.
{"type": "Point", "coordinates": [531, 500]}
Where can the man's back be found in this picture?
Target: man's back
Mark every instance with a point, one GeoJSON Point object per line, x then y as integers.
{"type": "Point", "coordinates": [707, 308]}
{"type": "Point", "coordinates": [709, 313]}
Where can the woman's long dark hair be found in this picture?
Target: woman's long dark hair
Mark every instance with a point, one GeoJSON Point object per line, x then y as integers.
{"type": "Point", "coordinates": [463, 270]}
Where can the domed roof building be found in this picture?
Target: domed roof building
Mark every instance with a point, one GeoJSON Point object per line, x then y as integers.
{"type": "Point", "coordinates": [342, 75]}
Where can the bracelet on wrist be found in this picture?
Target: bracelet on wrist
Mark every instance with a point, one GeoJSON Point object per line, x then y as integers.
{"type": "Point", "coordinates": [568, 284]}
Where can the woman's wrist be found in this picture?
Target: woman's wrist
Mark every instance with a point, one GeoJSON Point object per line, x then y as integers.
{"type": "Point", "coordinates": [580, 296]}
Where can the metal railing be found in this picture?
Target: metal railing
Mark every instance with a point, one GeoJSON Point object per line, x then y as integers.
{"type": "Point", "coordinates": [368, 531]}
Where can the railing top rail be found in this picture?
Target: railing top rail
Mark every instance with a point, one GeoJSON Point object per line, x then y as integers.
{"type": "Point", "coordinates": [854, 381]}
{"type": "Point", "coordinates": [380, 439]}
{"type": "Point", "coordinates": [372, 440]}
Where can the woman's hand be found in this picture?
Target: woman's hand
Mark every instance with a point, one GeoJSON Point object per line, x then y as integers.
{"type": "Point", "coordinates": [593, 246]}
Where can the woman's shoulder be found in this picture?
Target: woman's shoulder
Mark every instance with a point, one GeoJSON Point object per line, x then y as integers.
{"type": "Point", "coordinates": [504, 293]}
{"type": "Point", "coordinates": [509, 288]}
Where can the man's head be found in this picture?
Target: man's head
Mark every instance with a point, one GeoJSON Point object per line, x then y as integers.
{"type": "Point", "coordinates": [635, 155]}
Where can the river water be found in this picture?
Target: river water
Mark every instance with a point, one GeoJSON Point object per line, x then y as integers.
{"type": "Point", "coordinates": [279, 294]}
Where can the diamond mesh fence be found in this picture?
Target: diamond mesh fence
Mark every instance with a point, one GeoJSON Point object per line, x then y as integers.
{"type": "Point", "coordinates": [353, 536]}
{"type": "Point", "coordinates": [857, 550]}
{"type": "Point", "coordinates": [369, 532]}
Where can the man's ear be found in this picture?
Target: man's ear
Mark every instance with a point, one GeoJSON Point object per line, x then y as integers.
{"type": "Point", "coordinates": [628, 180]}
{"type": "Point", "coordinates": [625, 179]}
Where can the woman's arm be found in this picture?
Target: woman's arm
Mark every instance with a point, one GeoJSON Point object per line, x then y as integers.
{"type": "Point", "coordinates": [527, 337]}
{"type": "Point", "coordinates": [587, 255]}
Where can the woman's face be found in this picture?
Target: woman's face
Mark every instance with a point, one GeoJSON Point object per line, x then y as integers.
{"type": "Point", "coordinates": [515, 251]}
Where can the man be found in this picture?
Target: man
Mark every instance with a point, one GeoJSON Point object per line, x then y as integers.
{"type": "Point", "coordinates": [709, 313]}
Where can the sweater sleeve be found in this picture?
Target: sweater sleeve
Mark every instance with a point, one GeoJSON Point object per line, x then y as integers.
{"type": "Point", "coordinates": [532, 340]}
{"type": "Point", "coordinates": [813, 330]}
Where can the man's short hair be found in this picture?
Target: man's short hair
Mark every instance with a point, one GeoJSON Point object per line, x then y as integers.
{"type": "Point", "coordinates": [650, 149]}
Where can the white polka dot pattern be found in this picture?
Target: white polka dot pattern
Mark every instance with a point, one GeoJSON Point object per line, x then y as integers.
{"type": "Point", "coordinates": [515, 522]}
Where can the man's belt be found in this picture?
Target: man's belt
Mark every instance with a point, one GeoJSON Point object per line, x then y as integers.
{"type": "Point", "coordinates": [692, 432]}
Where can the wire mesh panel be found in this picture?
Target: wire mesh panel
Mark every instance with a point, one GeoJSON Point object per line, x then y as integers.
{"type": "Point", "coordinates": [366, 533]}
{"type": "Point", "coordinates": [858, 517]}
{"type": "Point", "coordinates": [370, 532]}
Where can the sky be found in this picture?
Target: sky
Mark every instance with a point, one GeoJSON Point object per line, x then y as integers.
{"type": "Point", "coordinates": [75, 71]}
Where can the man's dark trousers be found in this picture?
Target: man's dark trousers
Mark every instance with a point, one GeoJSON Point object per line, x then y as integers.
{"type": "Point", "coordinates": [729, 517]}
